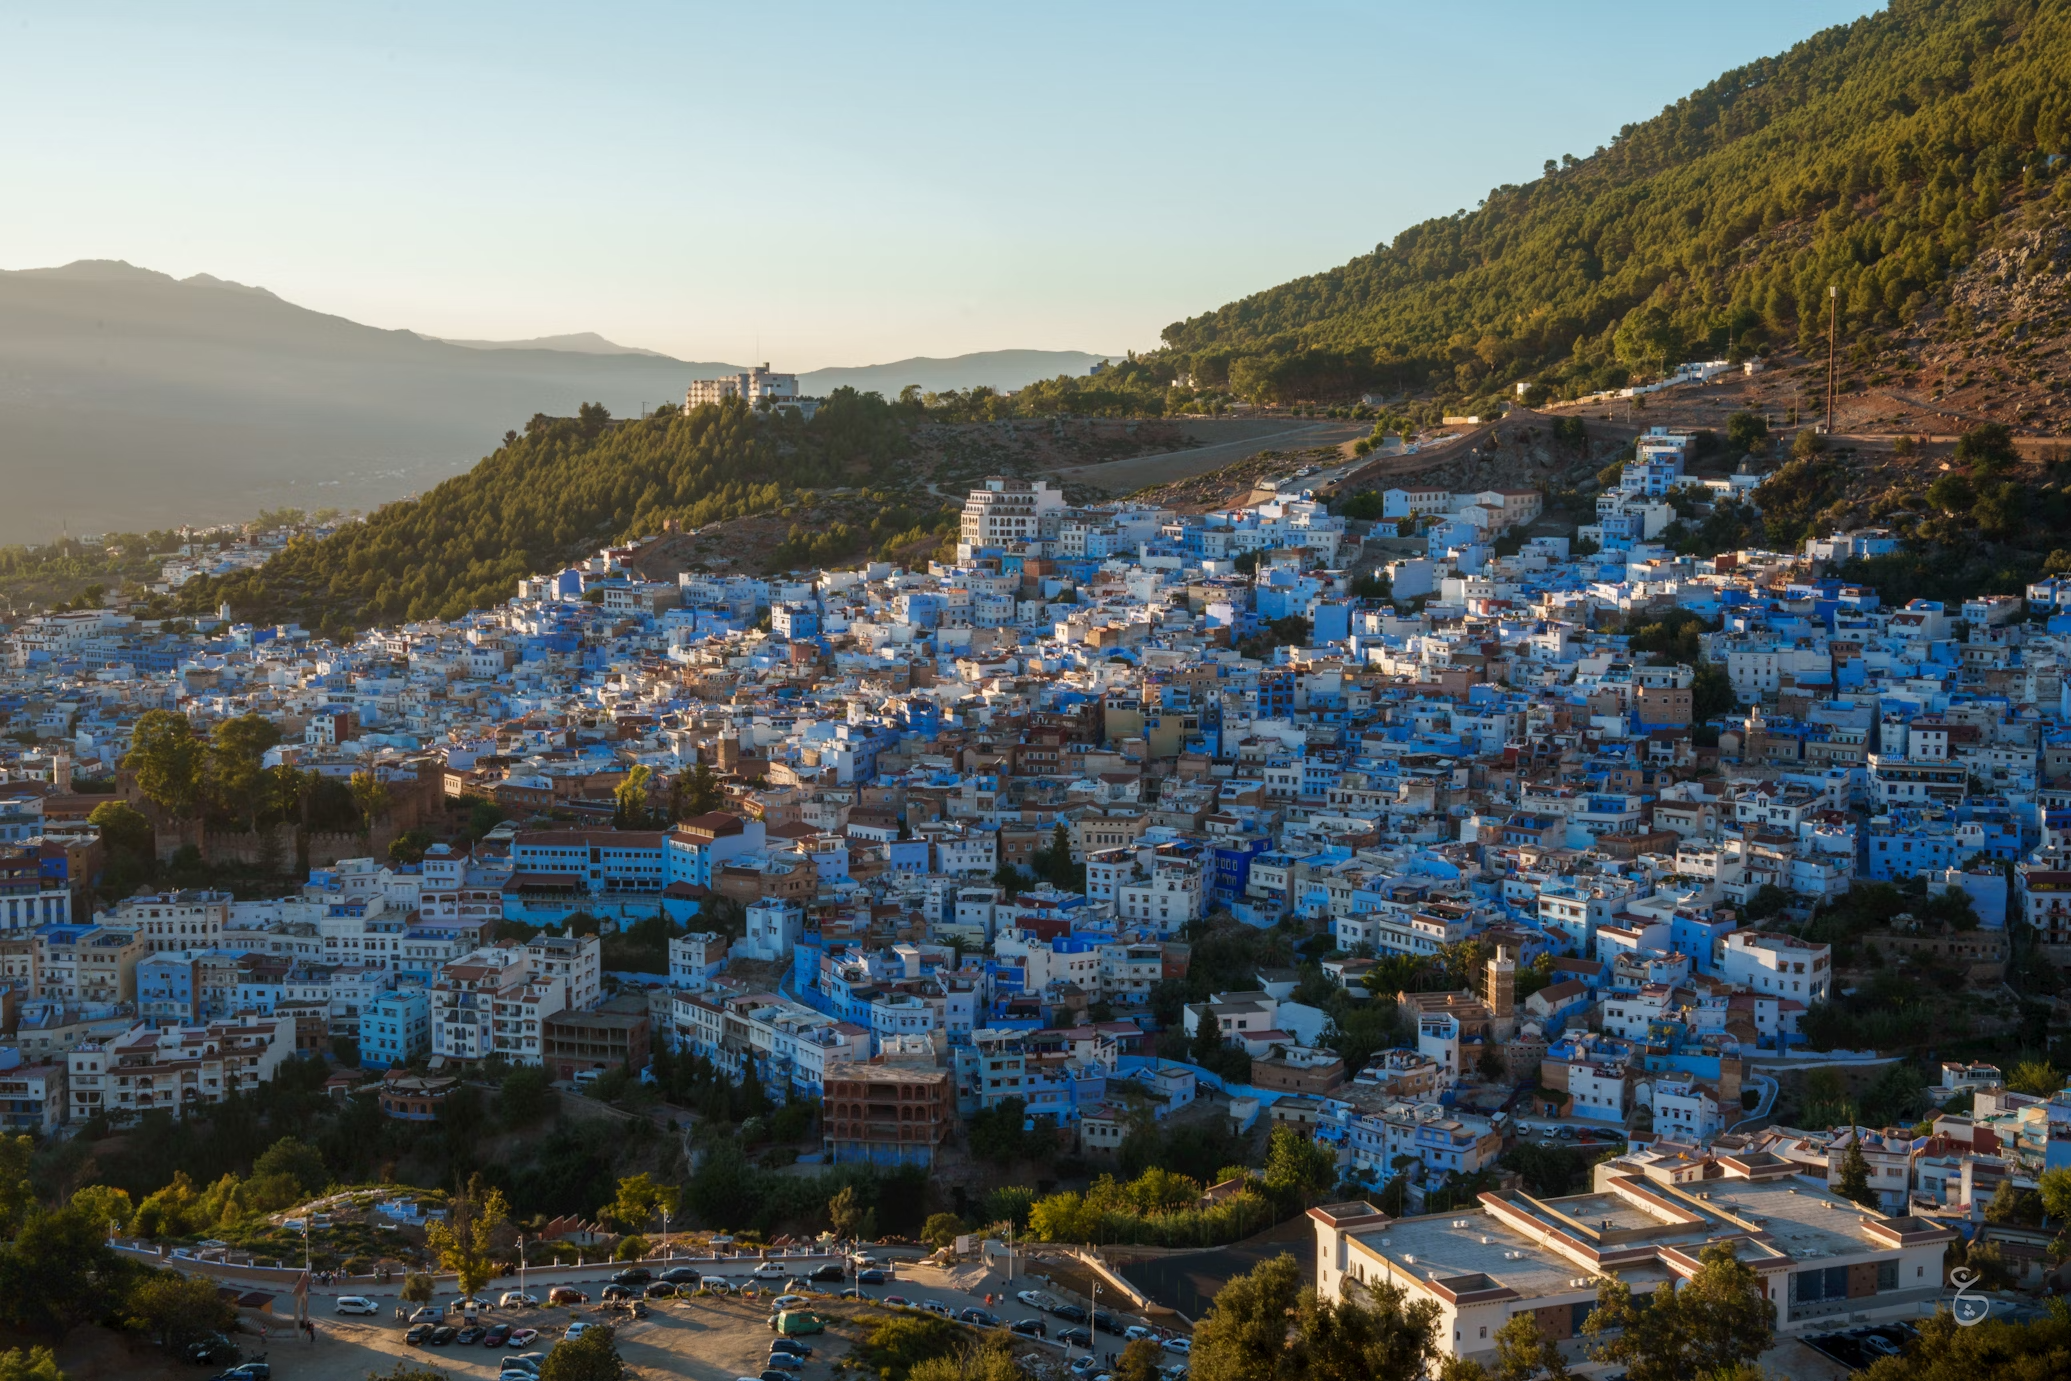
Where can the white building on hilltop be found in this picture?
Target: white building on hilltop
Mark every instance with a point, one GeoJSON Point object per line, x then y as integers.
{"type": "Point", "coordinates": [752, 386]}
{"type": "Point", "coordinates": [1011, 511]}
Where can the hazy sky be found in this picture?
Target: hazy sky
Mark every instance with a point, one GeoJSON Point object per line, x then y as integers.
{"type": "Point", "coordinates": [827, 184]}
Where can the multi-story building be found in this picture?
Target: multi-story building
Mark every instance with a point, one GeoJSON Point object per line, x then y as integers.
{"type": "Point", "coordinates": [1770, 963]}
{"type": "Point", "coordinates": [1010, 510]}
{"type": "Point", "coordinates": [395, 1028]}
{"type": "Point", "coordinates": [886, 1114]}
{"type": "Point", "coordinates": [88, 963]}
{"type": "Point", "coordinates": [174, 1069]}
{"type": "Point", "coordinates": [174, 920]}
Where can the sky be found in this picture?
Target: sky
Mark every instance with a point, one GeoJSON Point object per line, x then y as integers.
{"type": "Point", "coordinates": [809, 184]}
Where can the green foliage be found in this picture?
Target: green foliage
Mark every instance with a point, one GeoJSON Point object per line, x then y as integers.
{"type": "Point", "coordinates": [177, 1310]}
{"type": "Point", "coordinates": [1297, 1168]}
{"type": "Point", "coordinates": [2037, 1077]}
{"type": "Point", "coordinates": [1367, 505]}
{"type": "Point", "coordinates": [1854, 1183]}
{"type": "Point", "coordinates": [1747, 432]}
{"type": "Point", "coordinates": [1158, 1208]}
{"type": "Point", "coordinates": [592, 1357]}
{"type": "Point", "coordinates": [417, 1288]}
{"type": "Point", "coordinates": [525, 1096]}
{"type": "Point", "coordinates": [1373, 1334]}
{"type": "Point", "coordinates": [1988, 1351]}
{"type": "Point", "coordinates": [641, 1201]}
{"type": "Point", "coordinates": [29, 1364]}
{"type": "Point", "coordinates": [1796, 494]}
{"type": "Point", "coordinates": [545, 497]}
{"type": "Point", "coordinates": [300, 1163]}
{"type": "Point", "coordinates": [58, 1273]}
{"type": "Point", "coordinates": [941, 1229]}
{"type": "Point", "coordinates": [1868, 156]}
{"type": "Point", "coordinates": [898, 1343]}
{"type": "Point", "coordinates": [1720, 1318]}
{"type": "Point", "coordinates": [997, 1134]}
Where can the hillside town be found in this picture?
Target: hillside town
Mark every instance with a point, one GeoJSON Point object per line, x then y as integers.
{"type": "Point", "coordinates": [1572, 814]}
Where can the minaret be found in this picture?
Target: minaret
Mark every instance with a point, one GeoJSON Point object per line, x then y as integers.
{"type": "Point", "coordinates": [1502, 993]}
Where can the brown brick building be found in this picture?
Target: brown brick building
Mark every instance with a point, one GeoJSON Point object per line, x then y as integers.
{"type": "Point", "coordinates": [886, 1115]}
{"type": "Point", "coordinates": [576, 1041]}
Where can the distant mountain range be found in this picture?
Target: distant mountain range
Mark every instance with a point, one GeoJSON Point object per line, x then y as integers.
{"type": "Point", "coordinates": [132, 400]}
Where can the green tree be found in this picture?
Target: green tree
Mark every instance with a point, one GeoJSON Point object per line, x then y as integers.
{"type": "Point", "coordinates": [1297, 1168]}
{"type": "Point", "coordinates": [124, 829]}
{"type": "Point", "coordinates": [167, 760]}
{"type": "Point", "coordinates": [631, 798]}
{"type": "Point", "coordinates": [1747, 432]}
{"type": "Point", "coordinates": [525, 1096]}
{"type": "Point", "coordinates": [297, 1160]}
{"type": "Point", "coordinates": [702, 793]}
{"type": "Point", "coordinates": [942, 1229]}
{"type": "Point", "coordinates": [59, 1273]}
{"type": "Point", "coordinates": [29, 1364]}
{"type": "Point", "coordinates": [2037, 1077]}
{"type": "Point", "coordinates": [1141, 1360]}
{"type": "Point", "coordinates": [370, 798]}
{"type": "Point", "coordinates": [1987, 448]}
{"type": "Point", "coordinates": [845, 1213]}
{"type": "Point", "coordinates": [104, 1203]}
{"type": "Point", "coordinates": [1246, 1335]}
{"type": "Point", "coordinates": [1855, 1176]}
{"type": "Point", "coordinates": [178, 1310]}
{"type": "Point", "coordinates": [592, 1357]}
{"type": "Point", "coordinates": [641, 1200]}
{"type": "Point", "coordinates": [236, 765]}
{"type": "Point", "coordinates": [417, 1288]}
{"type": "Point", "coordinates": [1720, 1318]}
{"type": "Point", "coordinates": [465, 1242]}
{"type": "Point", "coordinates": [1990, 1351]}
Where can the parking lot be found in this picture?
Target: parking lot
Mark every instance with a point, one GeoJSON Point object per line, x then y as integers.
{"type": "Point", "coordinates": [1856, 1348]}
{"type": "Point", "coordinates": [704, 1337]}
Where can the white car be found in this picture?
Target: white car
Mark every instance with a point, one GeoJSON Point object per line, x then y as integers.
{"type": "Point", "coordinates": [357, 1304]}
{"type": "Point", "coordinates": [576, 1330]}
{"type": "Point", "coordinates": [515, 1299]}
{"type": "Point", "coordinates": [783, 1302]}
{"type": "Point", "coordinates": [769, 1270]}
{"type": "Point", "coordinates": [430, 1313]}
{"type": "Point", "coordinates": [1182, 1346]}
{"type": "Point", "coordinates": [1135, 1331]}
{"type": "Point", "coordinates": [1032, 1298]}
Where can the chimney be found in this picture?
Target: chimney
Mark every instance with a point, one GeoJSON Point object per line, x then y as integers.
{"type": "Point", "coordinates": [1502, 992]}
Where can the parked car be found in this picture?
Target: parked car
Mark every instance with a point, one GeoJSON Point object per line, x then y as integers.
{"type": "Point", "coordinates": [852, 1293]}
{"type": "Point", "coordinates": [898, 1301]}
{"type": "Point", "coordinates": [978, 1317]}
{"type": "Point", "coordinates": [470, 1336]}
{"type": "Point", "coordinates": [829, 1272]}
{"type": "Point", "coordinates": [497, 1336]}
{"type": "Point", "coordinates": [566, 1294]}
{"type": "Point", "coordinates": [870, 1275]}
{"type": "Point", "coordinates": [1075, 1337]}
{"type": "Point", "coordinates": [1566, 1133]}
{"type": "Point", "coordinates": [576, 1330]}
{"type": "Point", "coordinates": [1030, 1328]}
{"type": "Point", "coordinates": [935, 1306]}
{"type": "Point", "coordinates": [516, 1299]}
{"type": "Point", "coordinates": [681, 1275]}
{"type": "Point", "coordinates": [1182, 1346]}
{"type": "Point", "coordinates": [633, 1275]}
{"type": "Point", "coordinates": [417, 1335]}
{"type": "Point", "coordinates": [529, 1362]}
{"type": "Point", "coordinates": [1135, 1331]}
{"type": "Point", "coordinates": [615, 1291]}
{"type": "Point", "coordinates": [661, 1289]}
{"type": "Point", "coordinates": [798, 1285]}
{"type": "Point", "coordinates": [783, 1302]}
{"type": "Point", "coordinates": [245, 1371]}
{"type": "Point", "coordinates": [442, 1335]}
{"type": "Point", "coordinates": [470, 1305]}
{"type": "Point", "coordinates": [1106, 1322]}
{"type": "Point", "coordinates": [792, 1346]}
{"type": "Point", "coordinates": [1071, 1312]}
{"type": "Point", "coordinates": [521, 1336]}
{"type": "Point", "coordinates": [768, 1270]}
{"type": "Point", "coordinates": [713, 1285]}
{"type": "Point", "coordinates": [430, 1313]}
{"type": "Point", "coordinates": [772, 1374]}
{"type": "Point", "coordinates": [796, 1321]}
{"type": "Point", "coordinates": [784, 1361]}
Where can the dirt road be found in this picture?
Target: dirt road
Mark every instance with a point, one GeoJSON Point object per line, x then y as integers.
{"type": "Point", "coordinates": [1137, 472]}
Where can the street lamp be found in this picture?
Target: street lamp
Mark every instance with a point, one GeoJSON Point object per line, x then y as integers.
{"type": "Point", "coordinates": [521, 1263]}
{"type": "Point", "coordinates": [667, 1255]}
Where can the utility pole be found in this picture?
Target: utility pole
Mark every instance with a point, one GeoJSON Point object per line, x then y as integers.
{"type": "Point", "coordinates": [1833, 311]}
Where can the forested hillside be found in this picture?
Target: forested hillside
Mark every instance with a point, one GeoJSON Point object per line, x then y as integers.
{"type": "Point", "coordinates": [1873, 156]}
{"type": "Point", "coordinates": [564, 487]}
